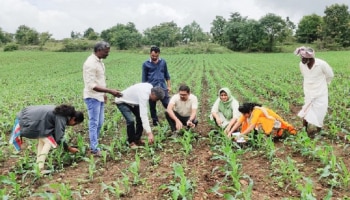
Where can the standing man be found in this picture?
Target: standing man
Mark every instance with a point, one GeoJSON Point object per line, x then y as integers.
{"type": "Point", "coordinates": [317, 75]}
{"type": "Point", "coordinates": [95, 92]}
{"type": "Point", "coordinates": [135, 101]}
{"type": "Point", "coordinates": [182, 109]}
{"type": "Point", "coordinates": [155, 72]}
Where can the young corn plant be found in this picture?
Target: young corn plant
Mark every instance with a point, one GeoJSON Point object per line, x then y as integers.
{"type": "Point", "coordinates": [134, 168]}
{"type": "Point", "coordinates": [160, 137]}
{"type": "Point", "coordinates": [186, 141]}
{"type": "Point", "coordinates": [81, 145]}
{"type": "Point", "coordinates": [180, 186]}
{"type": "Point", "coordinates": [306, 190]}
{"type": "Point", "coordinates": [92, 166]}
{"type": "Point", "coordinates": [16, 187]}
{"type": "Point", "coordinates": [150, 152]}
{"type": "Point", "coordinates": [286, 173]}
{"type": "Point", "coordinates": [114, 189]}
{"type": "Point", "coordinates": [270, 148]}
{"type": "Point", "coordinates": [344, 176]}
{"type": "Point", "coordinates": [65, 191]}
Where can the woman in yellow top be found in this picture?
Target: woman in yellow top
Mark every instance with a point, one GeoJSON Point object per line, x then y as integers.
{"type": "Point", "coordinates": [258, 118]}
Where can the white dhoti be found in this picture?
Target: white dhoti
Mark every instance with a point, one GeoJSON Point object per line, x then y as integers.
{"type": "Point", "coordinates": [314, 110]}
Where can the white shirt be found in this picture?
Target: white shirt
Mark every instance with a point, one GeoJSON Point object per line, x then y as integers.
{"type": "Point", "coordinates": [138, 94]}
{"type": "Point", "coordinates": [94, 75]}
{"type": "Point", "coordinates": [316, 78]}
{"type": "Point", "coordinates": [184, 108]}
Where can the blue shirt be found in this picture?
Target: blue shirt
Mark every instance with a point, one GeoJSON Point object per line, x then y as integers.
{"type": "Point", "coordinates": [155, 74]}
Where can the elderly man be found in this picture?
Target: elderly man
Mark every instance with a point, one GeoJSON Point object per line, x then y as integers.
{"type": "Point", "coordinates": [317, 75]}
{"type": "Point", "coordinates": [95, 92]}
{"type": "Point", "coordinates": [135, 101]}
{"type": "Point", "coordinates": [182, 110]}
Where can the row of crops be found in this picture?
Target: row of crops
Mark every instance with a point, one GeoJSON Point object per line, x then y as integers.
{"type": "Point", "coordinates": [174, 168]}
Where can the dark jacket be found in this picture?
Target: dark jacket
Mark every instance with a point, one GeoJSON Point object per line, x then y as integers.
{"type": "Point", "coordinates": [40, 121]}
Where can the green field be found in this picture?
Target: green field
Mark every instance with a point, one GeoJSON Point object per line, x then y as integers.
{"type": "Point", "coordinates": [198, 166]}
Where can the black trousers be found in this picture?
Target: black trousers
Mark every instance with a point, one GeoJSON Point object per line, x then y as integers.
{"type": "Point", "coordinates": [134, 133]}
{"type": "Point", "coordinates": [183, 120]}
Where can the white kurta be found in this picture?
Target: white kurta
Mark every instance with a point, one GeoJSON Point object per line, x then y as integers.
{"type": "Point", "coordinates": [315, 91]}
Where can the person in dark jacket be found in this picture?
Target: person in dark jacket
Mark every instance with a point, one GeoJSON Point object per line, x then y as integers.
{"type": "Point", "coordinates": [47, 123]}
{"type": "Point", "coordinates": [155, 71]}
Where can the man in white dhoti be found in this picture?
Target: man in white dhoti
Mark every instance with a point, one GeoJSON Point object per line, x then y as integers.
{"type": "Point", "coordinates": [317, 75]}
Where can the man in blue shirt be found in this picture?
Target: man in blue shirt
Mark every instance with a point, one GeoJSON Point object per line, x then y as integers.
{"type": "Point", "coordinates": [155, 72]}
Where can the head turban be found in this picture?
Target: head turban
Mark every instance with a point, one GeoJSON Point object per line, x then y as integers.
{"type": "Point", "coordinates": [305, 52]}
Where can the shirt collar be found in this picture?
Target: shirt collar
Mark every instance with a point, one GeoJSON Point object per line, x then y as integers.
{"type": "Point", "coordinates": [159, 59]}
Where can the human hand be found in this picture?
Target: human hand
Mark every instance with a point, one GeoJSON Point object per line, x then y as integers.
{"type": "Point", "coordinates": [169, 90]}
{"type": "Point", "coordinates": [227, 130]}
{"type": "Point", "coordinates": [218, 121]}
{"type": "Point", "coordinates": [73, 149]}
{"type": "Point", "coordinates": [178, 125]}
{"type": "Point", "coordinates": [190, 124]}
{"type": "Point", "coordinates": [105, 98]}
{"type": "Point", "coordinates": [116, 93]}
{"type": "Point", "coordinates": [150, 138]}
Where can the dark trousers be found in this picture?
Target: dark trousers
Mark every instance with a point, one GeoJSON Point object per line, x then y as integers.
{"type": "Point", "coordinates": [153, 105]}
{"type": "Point", "coordinates": [134, 134]}
{"type": "Point", "coordinates": [183, 120]}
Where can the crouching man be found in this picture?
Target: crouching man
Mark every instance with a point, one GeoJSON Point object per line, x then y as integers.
{"type": "Point", "coordinates": [182, 109]}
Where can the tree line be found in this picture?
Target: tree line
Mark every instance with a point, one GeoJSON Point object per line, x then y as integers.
{"type": "Point", "coordinates": [238, 33]}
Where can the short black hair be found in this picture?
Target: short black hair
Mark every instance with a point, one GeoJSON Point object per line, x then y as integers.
{"type": "Point", "coordinates": [101, 46]}
{"type": "Point", "coordinates": [184, 88]}
{"type": "Point", "coordinates": [155, 49]}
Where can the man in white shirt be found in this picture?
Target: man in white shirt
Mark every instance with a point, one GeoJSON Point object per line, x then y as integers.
{"type": "Point", "coordinates": [317, 75]}
{"type": "Point", "coordinates": [95, 92]}
{"type": "Point", "coordinates": [135, 102]}
{"type": "Point", "coordinates": [182, 109]}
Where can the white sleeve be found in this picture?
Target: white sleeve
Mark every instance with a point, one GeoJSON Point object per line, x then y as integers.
{"type": "Point", "coordinates": [143, 106]}
{"type": "Point", "coordinates": [215, 107]}
{"type": "Point", "coordinates": [328, 72]}
{"type": "Point", "coordinates": [235, 112]}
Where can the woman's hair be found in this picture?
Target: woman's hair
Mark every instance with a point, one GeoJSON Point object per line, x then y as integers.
{"type": "Point", "coordinates": [247, 107]}
{"type": "Point", "coordinates": [69, 111]}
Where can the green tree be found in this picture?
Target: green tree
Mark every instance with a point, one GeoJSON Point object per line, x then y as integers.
{"type": "Point", "coordinates": [337, 24]}
{"type": "Point", "coordinates": [75, 35]}
{"type": "Point", "coordinates": [167, 34]}
{"type": "Point", "coordinates": [193, 33]}
{"type": "Point", "coordinates": [217, 30]}
{"type": "Point", "coordinates": [25, 35]}
{"type": "Point", "coordinates": [275, 29]}
{"type": "Point", "coordinates": [123, 36]}
{"type": "Point", "coordinates": [43, 38]}
{"type": "Point", "coordinates": [309, 28]}
{"type": "Point", "coordinates": [232, 31]}
{"type": "Point", "coordinates": [5, 37]}
{"type": "Point", "coordinates": [250, 36]}
{"type": "Point", "coordinates": [90, 34]}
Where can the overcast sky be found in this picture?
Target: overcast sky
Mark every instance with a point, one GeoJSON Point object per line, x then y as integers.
{"type": "Point", "coordinates": [60, 17]}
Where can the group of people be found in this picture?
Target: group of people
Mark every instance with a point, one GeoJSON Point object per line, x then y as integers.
{"type": "Point", "coordinates": [317, 74]}
{"type": "Point", "coordinates": [47, 123]}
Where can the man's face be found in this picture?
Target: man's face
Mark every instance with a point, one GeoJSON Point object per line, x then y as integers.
{"type": "Point", "coordinates": [153, 97]}
{"type": "Point", "coordinates": [154, 56]}
{"type": "Point", "coordinates": [305, 60]}
{"type": "Point", "coordinates": [183, 95]}
{"type": "Point", "coordinates": [103, 53]}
